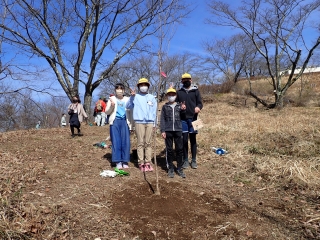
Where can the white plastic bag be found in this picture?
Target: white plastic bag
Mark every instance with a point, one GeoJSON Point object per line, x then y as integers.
{"type": "Point", "coordinates": [108, 173]}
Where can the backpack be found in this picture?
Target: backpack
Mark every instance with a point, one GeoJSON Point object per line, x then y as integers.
{"type": "Point", "coordinates": [99, 106]}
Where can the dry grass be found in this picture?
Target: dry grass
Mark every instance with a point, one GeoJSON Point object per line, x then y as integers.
{"type": "Point", "coordinates": [273, 163]}
{"type": "Point", "coordinates": [304, 92]}
{"type": "Point", "coordinates": [279, 144]}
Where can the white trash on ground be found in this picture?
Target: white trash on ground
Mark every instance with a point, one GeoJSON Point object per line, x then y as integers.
{"type": "Point", "coordinates": [108, 173]}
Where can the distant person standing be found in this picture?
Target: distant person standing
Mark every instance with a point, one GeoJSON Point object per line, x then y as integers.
{"type": "Point", "coordinates": [144, 107]}
{"type": "Point", "coordinates": [63, 121]}
{"type": "Point", "coordinates": [120, 125]}
{"type": "Point", "coordinates": [38, 125]}
{"type": "Point", "coordinates": [171, 131]}
{"type": "Point", "coordinates": [190, 96]}
{"type": "Point", "coordinates": [100, 109]}
{"type": "Point", "coordinates": [103, 113]}
{"type": "Point", "coordinates": [77, 114]}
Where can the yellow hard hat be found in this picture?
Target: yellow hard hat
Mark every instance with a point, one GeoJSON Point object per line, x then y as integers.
{"type": "Point", "coordinates": [143, 80]}
{"type": "Point", "coordinates": [186, 75]}
{"type": "Point", "coordinates": [171, 90]}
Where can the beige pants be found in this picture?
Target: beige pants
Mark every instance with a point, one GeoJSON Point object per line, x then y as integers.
{"type": "Point", "coordinates": [144, 135]}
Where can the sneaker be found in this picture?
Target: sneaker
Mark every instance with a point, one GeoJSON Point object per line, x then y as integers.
{"type": "Point", "coordinates": [80, 134]}
{"type": "Point", "coordinates": [149, 168]}
{"type": "Point", "coordinates": [119, 165]}
{"type": "Point", "coordinates": [171, 173]}
{"type": "Point", "coordinates": [142, 167]}
{"type": "Point", "coordinates": [185, 164]}
{"type": "Point", "coordinates": [181, 173]}
{"type": "Point", "coordinates": [73, 135]}
{"type": "Point", "coordinates": [125, 165]}
{"type": "Point", "coordinates": [194, 165]}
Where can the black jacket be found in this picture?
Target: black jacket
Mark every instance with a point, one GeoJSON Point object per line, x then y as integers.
{"type": "Point", "coordinates": [192, 99]}
{"type": "Point", "coordinates": [170, 119]}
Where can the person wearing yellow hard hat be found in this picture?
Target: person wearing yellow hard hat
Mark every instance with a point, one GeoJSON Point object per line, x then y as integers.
{"type": "Point", "coordinates": [144, 107]}
{"type": "Point", "coordinates": [171, 131]}
{"type": "Point", "coordinates": [191, 96]}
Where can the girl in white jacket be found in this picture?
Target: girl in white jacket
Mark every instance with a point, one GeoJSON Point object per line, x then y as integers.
{"type": "Point", "coordinates": [120, 126]}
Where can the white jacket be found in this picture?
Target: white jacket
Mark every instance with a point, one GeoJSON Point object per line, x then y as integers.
{"type": "Point", "coordinates": [111, 110]}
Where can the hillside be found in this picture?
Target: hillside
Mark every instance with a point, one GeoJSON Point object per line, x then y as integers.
{"type": "Point", "coordinates": [304, 92]}
{"type": "Point", "coordinates": [266, 187]}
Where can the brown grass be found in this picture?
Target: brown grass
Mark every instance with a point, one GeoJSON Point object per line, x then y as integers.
{"type": "Point", "coordinates": [304, 92]}
{"type": "Point", "coordinates": [266, 187]}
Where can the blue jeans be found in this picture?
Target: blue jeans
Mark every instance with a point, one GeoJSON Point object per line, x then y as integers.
{"type": "Point", "coordinates": [120, 138]}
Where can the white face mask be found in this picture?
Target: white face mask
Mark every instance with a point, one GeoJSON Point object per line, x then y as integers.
{"type": "Point", "coordinates": [171, 98]}
{"type": "Point", "coordinates": [143, 89]}
{"type": "Point", "coordinates": [119, 92]}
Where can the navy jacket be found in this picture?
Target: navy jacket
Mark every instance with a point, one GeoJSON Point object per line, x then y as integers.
{"type": "Point", "coordinates": [170, 119]}
{"type": "Point", "coordinates": [192, 99]}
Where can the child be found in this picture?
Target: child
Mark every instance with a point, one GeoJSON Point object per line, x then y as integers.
{"type": "Point", "coordinates": [190, 95]}
{"type": "Point", "coordinates": [144, 107]}
{"type": "Point", "coordinates": [171, 131]}
{"type": "Point", "coordinates": [120, 125]}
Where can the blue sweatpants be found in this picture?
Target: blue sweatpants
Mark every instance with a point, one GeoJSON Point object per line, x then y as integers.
{"type": "Point", "coordinates": [120, 138]}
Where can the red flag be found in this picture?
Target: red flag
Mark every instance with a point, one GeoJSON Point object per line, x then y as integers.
{"type": "Point", "coordinates": [163, 74]}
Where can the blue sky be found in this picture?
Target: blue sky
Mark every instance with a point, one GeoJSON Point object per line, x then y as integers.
{"type": "Point", "coordinates": [189, 36]}
{"type": "Point", "coordinates": [194, 31]}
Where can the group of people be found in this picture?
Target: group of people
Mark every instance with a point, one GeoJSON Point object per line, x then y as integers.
{"type": "Point", "coordinates": [99, 112]}
{"type": "Point", "coordinates": [177, 115]}
{"type": "Point", "coordinates": [140, 109]}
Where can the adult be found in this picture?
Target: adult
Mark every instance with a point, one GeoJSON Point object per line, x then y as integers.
{"type": "Point", "coordinates": [77, 114]}
{"type": "Point", "coordinates": [190, 96]}
{"type": "Point", "coordinates": [100, 109]}
{"type": "Point", "coordinates": [120, 125]}
{"type": "Point", "coordinates": [144, 107]}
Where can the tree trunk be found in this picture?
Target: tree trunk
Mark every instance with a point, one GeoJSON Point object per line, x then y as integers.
{"type": "Point", "coordinates": [87, 104]}
{"type": "Point", "coordinates": [279, 101]}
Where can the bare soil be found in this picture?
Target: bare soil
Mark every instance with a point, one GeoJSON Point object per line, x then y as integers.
{"type": "Point", "coordinates": [51, 187]}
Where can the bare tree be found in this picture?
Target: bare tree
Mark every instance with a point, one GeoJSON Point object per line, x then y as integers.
{"type": "Point", "coordinates": [78, 38]}
{"type": "Point", "coordinates": [19, 110]}
{"type": "Point", "coordinates": [230, 56]}
{"type": "Point", "coordinates": [276, 29]}
{"type": "Point", "coordinates": [129, 72]}
{"type": "Point", "coordinates": [144, 65]}
{"type": "Point", "coordinates": [175, 65]}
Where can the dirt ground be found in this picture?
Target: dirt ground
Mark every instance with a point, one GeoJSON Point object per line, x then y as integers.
{"type": "Point", "coordinates": [51, 189]}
